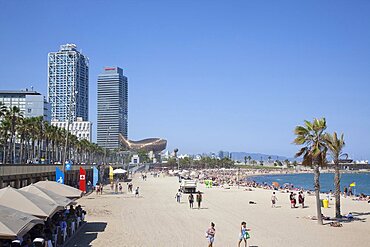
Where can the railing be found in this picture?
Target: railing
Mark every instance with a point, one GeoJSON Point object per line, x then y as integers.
{"type": "Point", "coordinates": [11, 170]}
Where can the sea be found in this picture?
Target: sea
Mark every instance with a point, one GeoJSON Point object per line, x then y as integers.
{"type": "Point", "coordinates": [305, 181]}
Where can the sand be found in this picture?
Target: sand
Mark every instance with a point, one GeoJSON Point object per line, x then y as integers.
{"type": "Point", "coordinates": [156, 219]}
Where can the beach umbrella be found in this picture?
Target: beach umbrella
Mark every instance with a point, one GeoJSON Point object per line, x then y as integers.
{"type": "Point", "coordinates": [48, 195]}
{"type": "Point", "coordinates": [275, 184]}
{"type": "Point", "coordinates": [14, 223]}
{"type": "Point", "coordinates": [353, 184]}
{"type": "Point", "coordinates": [60, 189]}
{"type": "Point", "coordinates": [27, 202]}
{"type": "Point", "coordinates": [119, 171]}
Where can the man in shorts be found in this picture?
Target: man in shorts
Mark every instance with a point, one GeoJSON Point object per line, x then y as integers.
{"type": "Point", "coordinates": [244, 235]}
{"type": "Point", "coordinates": [211, 232]}
{"type": "Point", "coordinates": [273, 200]}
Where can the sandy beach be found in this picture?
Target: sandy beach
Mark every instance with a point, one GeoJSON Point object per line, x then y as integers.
{"type": "Point", "coordinates": [156, 219]}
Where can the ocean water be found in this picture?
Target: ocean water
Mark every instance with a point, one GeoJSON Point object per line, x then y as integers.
{"type": "Point", "coordinates": [305, 181]}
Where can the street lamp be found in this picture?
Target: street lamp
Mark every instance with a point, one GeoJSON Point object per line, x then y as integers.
{"type": "Point", "coordinates": [106, 142]}
{"type": "Point", "coordinates": [177, 161]}
{"type": "Point", "coordinates": [69, 104]}
{"type": "Point", "coordinates": [102, 167]}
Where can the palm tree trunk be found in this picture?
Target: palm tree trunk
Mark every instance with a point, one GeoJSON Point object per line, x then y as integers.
{"type": "Point", "coordinates": [4, 153]}
{"type": "Point", "coordinates": [317, 193]}
{"type": "Point", "coordinates": [337, 191]}
{"type": "Point", "coordinates": [47, 150]}
{"type": "Point", "coordinates": [21, 152]}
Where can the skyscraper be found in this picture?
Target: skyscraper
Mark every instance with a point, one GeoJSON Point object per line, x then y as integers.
{"type": "Point", "coordinates": [68, 84]}
{"type": "Point", "coordinates": [112, 107]}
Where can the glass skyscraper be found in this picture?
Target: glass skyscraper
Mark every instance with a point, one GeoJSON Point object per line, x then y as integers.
{"type": "Point", "coordinates": [112, 107]}
{"type": "Point", "coordinates": [68, 84]}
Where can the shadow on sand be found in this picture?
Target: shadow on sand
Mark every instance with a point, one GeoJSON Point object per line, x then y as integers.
{"type": "Point", "coordinates": [355, 218]}
{"type": "Point", "coordinates": [87, 234]}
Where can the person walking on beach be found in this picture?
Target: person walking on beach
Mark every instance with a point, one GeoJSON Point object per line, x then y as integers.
{"type": "Point", "coordinates": [244, 235]}
{"type": "Point", "coordinates": [301, 198]}
{"type": "Point", "coordinates": [97, 188]}
{"type": "Point", "coordinates": [137, 192]}
{"type": "Point", "coordinates": [178, 196]}
{"type": "Point", "coordinates": [273, 200]}
{"type": "Point", "coordinates": [116, 188]}
{"type": "Point", "coordinates": [199, 199]}
{"type": "Point", "coordinates": [120, 188]}
{"type": "Point", "coordinates": [210, 234]}
{"type": "Point", "coordinates": [292, 200]}
{"type": "Point", "coordinates": [101, 189]}
{"type": "Point", "coordinates": [191, 200]}
{"type": "Point", "coordinates": [350, 191]}
{"type": "Point", "coordinates": [345, 191]}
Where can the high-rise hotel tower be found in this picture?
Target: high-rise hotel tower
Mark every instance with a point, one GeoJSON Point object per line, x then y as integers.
{"type": "Point", "coordinates": [112, 107]}
{"type": "Point", "coordinates": [68, 84]}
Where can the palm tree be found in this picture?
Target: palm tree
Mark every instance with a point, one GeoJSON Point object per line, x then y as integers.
{"type": "Point", "coordinates": [335, 146]}
{"type": "Point", "coordinates": [314, 149]}
{"type": "Point", "coordinates": [13, 115]}
{"type": "Point", "coordinates": [249, 159]}
{"type": "Point", "coordinates": [287, 162]}
{"type": "Point", "coordinates": [4, 137]}
{"type": "Point", "coordinates": [3, 109]}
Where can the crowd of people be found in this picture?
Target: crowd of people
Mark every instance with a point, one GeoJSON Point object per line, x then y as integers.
{"type": "Point", "coordinates": [55, 231]}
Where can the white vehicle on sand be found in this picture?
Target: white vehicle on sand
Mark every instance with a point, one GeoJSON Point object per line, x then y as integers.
{"type": "Point", "coordinates": [188, 186]}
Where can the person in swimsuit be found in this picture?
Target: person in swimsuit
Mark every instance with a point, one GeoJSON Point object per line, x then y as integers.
{"type": "Point", "coordinates": [211, 232]}
{"type": "Point", "coordinates": [292, 200]}
{"type": "Point", "coordinates": [301, 199]}
{"type": "Point", "coordinates": [199, 199]}
{"type": "Point", "coordinates": [191, 200]}
{"type": "Point", "coordinates": [243, 234]}
{"type": "Point", "coordinates": [178, 196]}
{"type": "Point", "coordinates": [273, 200]}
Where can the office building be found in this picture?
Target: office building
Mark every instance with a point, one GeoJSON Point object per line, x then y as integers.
{"type": "Point", "coordinates": [81, 129]}
{"type": "Point", "coordinates": [112, 107]}
{"type": "Point", "coordinates": [68, 84]}
{"type": "Point", "coordinates": [30, 103]}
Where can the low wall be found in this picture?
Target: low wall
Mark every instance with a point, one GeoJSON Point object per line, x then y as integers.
{"type": "Point", "coordinates": [18, 176]}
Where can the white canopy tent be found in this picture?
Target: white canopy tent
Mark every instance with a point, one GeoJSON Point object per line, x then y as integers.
{"type": "Point", "coordinates": [119, 171]}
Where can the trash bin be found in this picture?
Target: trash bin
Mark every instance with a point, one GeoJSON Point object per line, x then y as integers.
{"type": "Point", "coordinates": [325, 203]}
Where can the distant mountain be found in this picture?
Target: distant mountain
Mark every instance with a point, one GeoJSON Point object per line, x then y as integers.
{"type": "Point", "coordinates": [256, 156]}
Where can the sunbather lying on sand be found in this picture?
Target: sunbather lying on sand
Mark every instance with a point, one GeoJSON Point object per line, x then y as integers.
{"type": "Point", "coordinates": [315, 217]}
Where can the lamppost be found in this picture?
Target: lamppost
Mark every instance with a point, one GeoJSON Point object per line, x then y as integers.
{"type": "Point", "coordinates": [177, 161]}
{"type": "Point", "coordinates": [69, 115]}
{"type": "Point", "coordinates": [102, 167]}
{"type": "Point", "coordinates": [238, 176]}
{"type": "Point", "coordinates": [106, 142]}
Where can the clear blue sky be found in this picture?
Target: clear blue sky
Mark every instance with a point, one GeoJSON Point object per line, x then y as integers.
{"type": "Point", "coordinates": [209, 75]}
